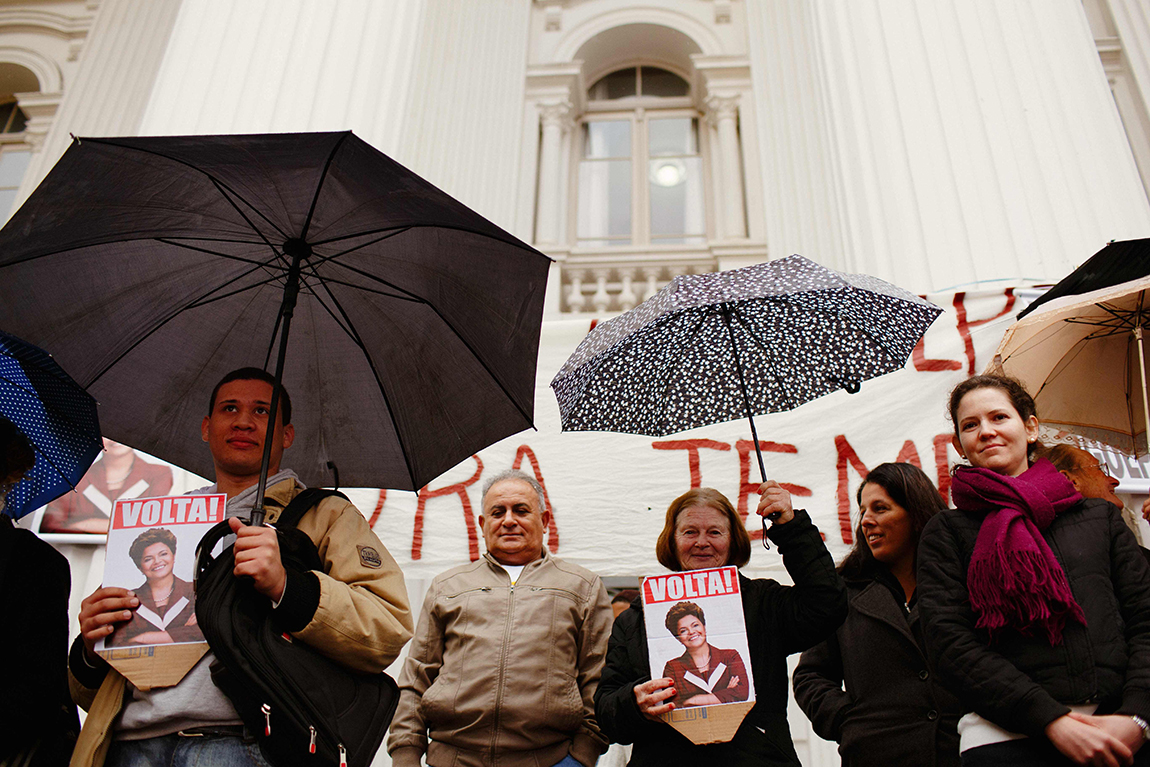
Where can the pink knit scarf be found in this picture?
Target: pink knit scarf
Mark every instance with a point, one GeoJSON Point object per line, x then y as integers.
{"type": "Point", "coordinates": [1014, 579]}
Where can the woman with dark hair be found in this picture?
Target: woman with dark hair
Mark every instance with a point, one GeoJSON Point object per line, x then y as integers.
{"type": "Point", "coordinates": [892, 711]}
{"type": "Point", "coordinates": [703, 675]}
{"type": "Point", "coordinates": [1036, 600]}
{"type": "Point", "coordinates": [703, 530]}
{"type": "Point", "coordinates": [167, 604]}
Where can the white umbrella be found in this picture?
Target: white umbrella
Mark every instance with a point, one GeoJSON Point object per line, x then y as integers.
{"type": "Point", "coordinates": [1083, 358]}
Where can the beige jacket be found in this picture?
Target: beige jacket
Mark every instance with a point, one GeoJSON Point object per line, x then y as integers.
{"type": "Point", "coordinates": [363, 619]}
{"type": "Point", "coordinates": [502, 675]}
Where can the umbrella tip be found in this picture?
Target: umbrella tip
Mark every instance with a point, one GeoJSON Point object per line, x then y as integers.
{"type": "Point", "coordinates": [75, 138]}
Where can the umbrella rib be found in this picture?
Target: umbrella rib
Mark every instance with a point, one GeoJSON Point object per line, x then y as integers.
{"type": "Point", "coordinates": [482, 362]}
{"type": "Point", "coordinates": [220, 185]}
{"type": "Point", "coordinates": [350, 330]}
{"type": "Point", "coordinates": [205, 300]}
{"type": "Point", "coordinates": [228, 256]}
{"type": "Point", "coordinates": [346, 328]}
{"type": "Point", "coordinates": [779, 380]}
{"type": "Point", "coordinates": [319, 186]}
{"type": "Point", "coordinates": [436, 225]}
{"type": "Point", "coordinates": [684, 340]}
{"type": "Point", "coordinates": [155, 329]}
{"type": "Point", "coordinates": [314, 272]}
{"type": "Point", "coordinates": [382, 281]}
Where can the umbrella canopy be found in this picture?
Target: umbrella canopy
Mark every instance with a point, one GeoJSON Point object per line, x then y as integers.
{"type": "Point", "coordinates": [58, 417]}
{"type": "Point", "coordinates": [1082, 359]}
{"type": "Point", "coordinates": [715, 347]}
{"type": "Point", "coordinates": [1120, 261]}
{"type": "Point", "coordinates": [153, 266]}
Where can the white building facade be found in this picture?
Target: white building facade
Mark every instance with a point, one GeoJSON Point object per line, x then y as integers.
{"type": "Point", "coordinates": [938, 144]}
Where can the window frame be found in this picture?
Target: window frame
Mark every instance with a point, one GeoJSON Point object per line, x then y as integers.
{"type": "Point", "coordinates": [639, 110]}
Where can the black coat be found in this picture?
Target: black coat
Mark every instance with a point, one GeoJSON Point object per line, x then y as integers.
{"type": "Point", "coordinates": [1022, 683]}
{"type": "Point", "coordinates": [34, 585]}
{"type": "Point", "coordinates": [780, 620]}
{"type": "Point", "coordinates": [893, 711]}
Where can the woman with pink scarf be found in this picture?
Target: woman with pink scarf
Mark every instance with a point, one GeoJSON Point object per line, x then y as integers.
{"type": "Point", "coordinates": [1036, 600]}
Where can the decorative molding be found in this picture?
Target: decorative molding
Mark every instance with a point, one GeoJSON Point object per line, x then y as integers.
{"type": "Point", "coordinates": [722, 11]}
{"type": "Point", "coordinates": [41, 112]}
{"type": "Point", "coordinates": [46, 70]}
{"type": "Point", "coordinates": [556, 113]}
{"type": "Point", "coordinates": [721, 107]}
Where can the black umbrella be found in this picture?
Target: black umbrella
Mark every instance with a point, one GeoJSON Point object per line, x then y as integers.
{"type": "Point", "coordinates": [735, 344]}
{"type": "Point", "coordinates": [153, 266]}
{"type": "Point", "coordinates": [1120, 261]}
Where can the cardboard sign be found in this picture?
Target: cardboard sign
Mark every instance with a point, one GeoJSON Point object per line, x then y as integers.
{"type": "Point", "coordinates": [151, 551]}
{"type": "Point", "coordinates": [696, 635]}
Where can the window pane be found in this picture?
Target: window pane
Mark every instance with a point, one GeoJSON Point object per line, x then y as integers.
{"type": "Point", "coordinates": [13, 163]}
{"type": "Point", "coordinates": [604, 203]}
{"type": "Point", "coordinates": [676, 189]}
{"type": "Point", "coordinates": [671, 136]}
{"type": "Point", "coordinates": [617, 85]}
{"type": "Point", "coordinates": [660, 82]}
{"type": "Point", "coordinates": [610, 138]}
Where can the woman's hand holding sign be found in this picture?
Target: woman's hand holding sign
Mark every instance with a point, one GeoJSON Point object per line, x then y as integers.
{"type": "Point", "coordinates": [654, 698]}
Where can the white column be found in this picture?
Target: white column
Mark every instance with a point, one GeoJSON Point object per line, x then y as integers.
{"type": "Point", "coordinates": [118, 64]}
{"type": "Point", "coordinates": [723, 111]}
{"type": "Point", "coordinates": [555, 120]}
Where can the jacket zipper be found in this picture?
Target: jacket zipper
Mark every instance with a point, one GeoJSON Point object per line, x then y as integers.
{"type": "Point", "coordinates": [503, 662]}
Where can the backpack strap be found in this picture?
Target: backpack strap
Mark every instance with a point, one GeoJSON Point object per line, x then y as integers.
{"type": "Point", "coordinates": [300, 505]}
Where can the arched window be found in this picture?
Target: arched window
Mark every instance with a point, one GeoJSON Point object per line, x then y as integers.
{"type": "Point", "coordinates": [640, 179]}
{"type": "Point", "coordinates": [15, 153]}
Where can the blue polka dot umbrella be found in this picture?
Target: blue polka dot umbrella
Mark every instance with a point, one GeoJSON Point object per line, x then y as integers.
{"type": "Point", "coordinates": [58, 417]}
{"type": "Point", "coordinates": [736, 344]}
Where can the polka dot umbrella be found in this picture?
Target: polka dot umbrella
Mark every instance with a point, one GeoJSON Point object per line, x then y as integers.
{"type": "Point", "coordinates": [57, 416]}
{"type": "Point", "coordinates": [736, 344]}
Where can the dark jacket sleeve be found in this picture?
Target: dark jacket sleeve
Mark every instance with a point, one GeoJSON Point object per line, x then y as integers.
{"type": "Point", "coordinates": [807, 612]}
{"type": "Point", "coordinates": [983, 679]}
{"type": "Point", "coordinates": [818, 683]}
{"type": "Point", "coordinates": [1130, 575]}
{"type": "Point", "coordinates": [627, 666]}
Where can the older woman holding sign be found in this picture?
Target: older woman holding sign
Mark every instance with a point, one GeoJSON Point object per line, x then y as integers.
{"type": "Point", "coordinates": [703, 530]}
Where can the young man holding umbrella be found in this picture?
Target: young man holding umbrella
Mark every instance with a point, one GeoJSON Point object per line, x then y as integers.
{"type": "Point", "coordinates": [355, 611]}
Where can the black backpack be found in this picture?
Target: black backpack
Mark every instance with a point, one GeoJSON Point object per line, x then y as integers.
{"type": "Point", "coordinates": [304, 708]}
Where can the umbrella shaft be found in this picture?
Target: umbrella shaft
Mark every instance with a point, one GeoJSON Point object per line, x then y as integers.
{"type": "Point", "coordinates": [1142, 373]}
{"type": "Point", "coordinates": [287, 309]}
{"type": "Point", "coordinates": [743, 389]}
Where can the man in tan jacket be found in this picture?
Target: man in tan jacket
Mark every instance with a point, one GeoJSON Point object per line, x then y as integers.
{"type": "Point", "coordinates": [355, 611]}
{"type": "Point", "coordinates": [508, 650]}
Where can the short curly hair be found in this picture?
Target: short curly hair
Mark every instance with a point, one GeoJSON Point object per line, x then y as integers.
{"type": "Point", "coordinates": [147, 538]}
{"type": "Point", "coordinates": [680, 611]}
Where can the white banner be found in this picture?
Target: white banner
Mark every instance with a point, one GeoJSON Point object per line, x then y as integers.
{"type": "Point", "coordinates": [608, 493]}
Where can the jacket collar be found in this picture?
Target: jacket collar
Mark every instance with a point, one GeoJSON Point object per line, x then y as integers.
{"type": "Point", "coordinates": [876, 601]}
{"type": "Point", "coordinates": [495, 564]}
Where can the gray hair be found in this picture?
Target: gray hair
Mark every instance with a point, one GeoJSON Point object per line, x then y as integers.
{"type": "Point", "coordinates": [515, 474]}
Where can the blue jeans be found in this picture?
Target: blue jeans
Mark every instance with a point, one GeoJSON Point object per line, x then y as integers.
{"type": "Point", "coordinates": [178, 751]}
{"type": "Point", "coordinates": [568, 761]}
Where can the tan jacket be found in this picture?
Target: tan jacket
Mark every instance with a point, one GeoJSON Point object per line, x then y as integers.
{"type": "Point", "coordinates": [502, 675]}
{"type": "Point", "coordinates": [363, 619]}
